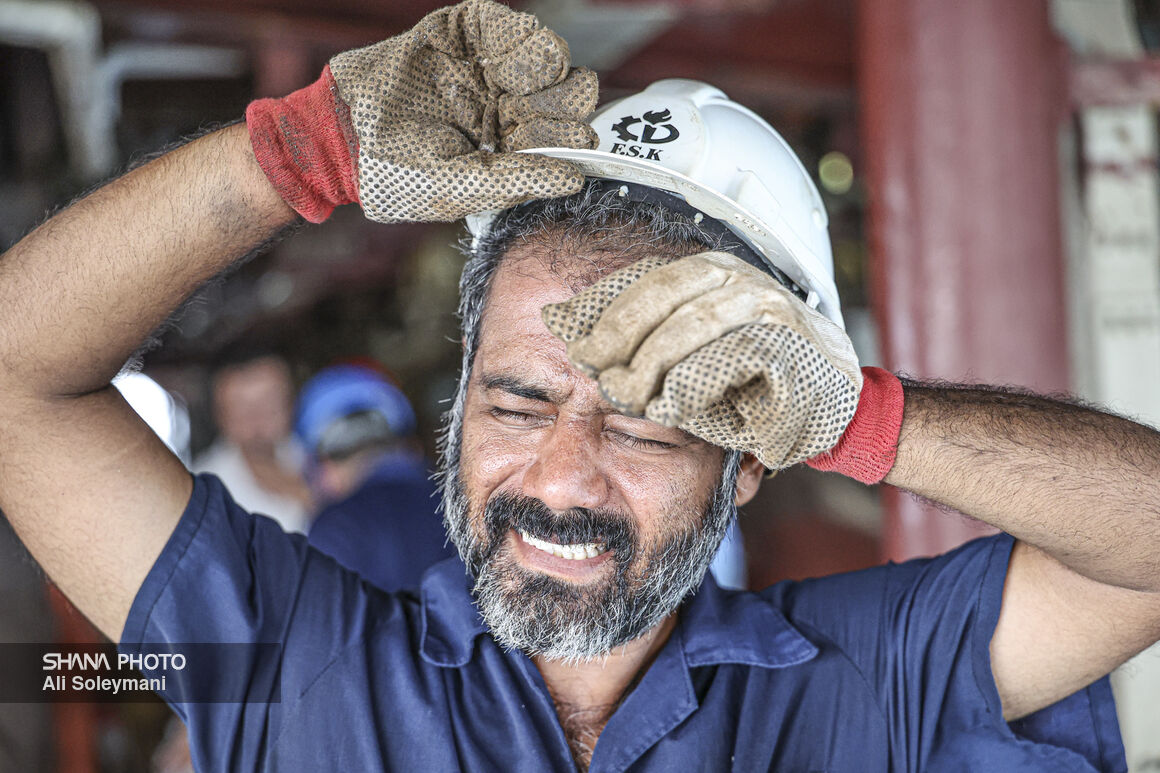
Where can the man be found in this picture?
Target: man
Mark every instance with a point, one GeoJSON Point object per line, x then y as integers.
{"type": "Point", "coordinates": [366, 466]}
{"type": "Point", "coordinates": [585, 526]}
{"type": "Point", "coordinates": [255, 454]}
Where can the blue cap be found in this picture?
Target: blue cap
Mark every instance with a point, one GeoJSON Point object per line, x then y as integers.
{"type": "Point", "coordinates": [342, 390]}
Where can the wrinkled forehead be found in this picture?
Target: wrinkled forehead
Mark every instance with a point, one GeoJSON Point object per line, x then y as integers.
{"type": "Point", "coordinates": [559, 264]}
{"type": "Point", "coordinates": [526, 280]}
{"type": "Point", "coordinates": [549, 266]}
{"type": "Point", "coordinates": [579, 259]}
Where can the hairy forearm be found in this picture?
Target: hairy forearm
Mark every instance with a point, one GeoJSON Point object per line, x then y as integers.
{"type": "Point", "coordinates": [1081, 485]}
{"type": "Point", "coordinates": [79, 294]}
{"type": "Point", "coordinates": [91, 491]}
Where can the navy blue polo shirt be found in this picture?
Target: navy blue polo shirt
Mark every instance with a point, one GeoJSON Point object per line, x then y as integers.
{"type": "Point", "coordinates": [881, 670]}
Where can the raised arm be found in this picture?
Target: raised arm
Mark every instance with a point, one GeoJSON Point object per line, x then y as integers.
{"type": "Point", "coordinates": [91, 491]}
{"type": "Point", "coordinates": [1080, 490]}
{"type": "Point", "coordinates": [730, 355]}
{"type": "Point", "coordinates": [417, 127]}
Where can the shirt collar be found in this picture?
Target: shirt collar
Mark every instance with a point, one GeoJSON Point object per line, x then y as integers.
{"type": "Point", "coordinates": [716, 626]}
{"type": "Point", "coordinates": [720, 626]}
{"type": "Point", "coordinates": [451, 621]}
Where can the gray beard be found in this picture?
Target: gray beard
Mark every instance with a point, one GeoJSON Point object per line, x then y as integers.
{"type": "Point", "coordinates": [543, 615]}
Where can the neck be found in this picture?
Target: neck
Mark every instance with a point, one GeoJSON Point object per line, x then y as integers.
{"type": "Point", "coordinates": [586, 694]}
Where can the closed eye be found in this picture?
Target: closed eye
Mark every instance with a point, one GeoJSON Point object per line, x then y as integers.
{"type": "Point", "coordinates": [632, 441]}
{"type": "Point", "coordinates": [504, 414]}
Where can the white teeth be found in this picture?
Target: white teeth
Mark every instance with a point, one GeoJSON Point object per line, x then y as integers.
{"type": "Point", "coordinates": [574, 552]}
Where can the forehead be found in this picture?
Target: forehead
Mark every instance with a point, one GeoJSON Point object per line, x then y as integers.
{"type": "Point", "coordinates": [263, 372]}
{"type": "Point", "coordinates": [516, 347]}
{"type": "Point", "coordinates": [512, 327]}
{"type": "Point", "coordinates": [557, 264]}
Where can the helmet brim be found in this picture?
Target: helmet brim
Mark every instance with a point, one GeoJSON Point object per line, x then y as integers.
{"type": "Point", "coordinates": [776, 246]}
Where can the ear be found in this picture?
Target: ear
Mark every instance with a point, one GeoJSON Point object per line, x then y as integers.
{"type": "Point", "coordinates": [748, 479]}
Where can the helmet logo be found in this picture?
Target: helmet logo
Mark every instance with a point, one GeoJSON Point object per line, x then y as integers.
{"type": "Point", "coordinates": [648, 134]}
{"type": "Point", "coordinates": [653, 132]}
{"type": "Point", "coordinates": [621, 128]}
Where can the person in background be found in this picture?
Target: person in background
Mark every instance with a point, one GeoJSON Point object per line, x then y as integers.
{"type": "Point", "coordinates": [366, 468]}
{"type": "Point", "coordinates": [255, 454]}
{"type": "Point", "coordinates": [729, 566]}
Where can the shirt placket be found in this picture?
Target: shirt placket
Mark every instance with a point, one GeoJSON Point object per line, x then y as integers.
{"type": "Point", "coordinates": [559, 743]}
{"type": "Point", "coordinates": [662, 701]}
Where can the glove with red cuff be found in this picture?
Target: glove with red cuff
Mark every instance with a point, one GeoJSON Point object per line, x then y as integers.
{"type": "Point", "coordinates": [867, 448]}
{"type": "Point", "coordinates": [722, 350]}
{"type": "Point", "coordinates": [423, 126]}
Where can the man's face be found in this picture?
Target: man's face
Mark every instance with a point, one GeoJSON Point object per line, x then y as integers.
{"type": "Point", "coordinates": [253, 403]}
{"type": "Point", "coordinates": [584, 527]}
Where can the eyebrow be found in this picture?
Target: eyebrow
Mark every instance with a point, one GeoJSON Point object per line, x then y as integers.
{"type": "Point", "coordinates": [514, 386]}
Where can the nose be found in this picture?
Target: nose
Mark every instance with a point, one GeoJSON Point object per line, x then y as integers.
{"type": "Point", "coordinates": [567, 471]}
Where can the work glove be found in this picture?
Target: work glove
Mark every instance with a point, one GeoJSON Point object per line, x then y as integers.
{"type": "Point", "coordinates": [422, 126]}
{"type": "Point", "coordinates": [722, 350]}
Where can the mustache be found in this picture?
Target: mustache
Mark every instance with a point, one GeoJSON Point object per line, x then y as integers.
{"type": "Point", "coordinates": [614, 529]}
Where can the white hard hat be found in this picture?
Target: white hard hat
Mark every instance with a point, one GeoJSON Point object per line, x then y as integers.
{"type": "Point", "coordinates": [687, 138]}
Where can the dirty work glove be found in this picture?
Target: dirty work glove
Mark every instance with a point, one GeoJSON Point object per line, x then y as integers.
{"type": "Point", "coordinates": [420, 126]}
{"type": "Point", "coordinates": [718, 348]}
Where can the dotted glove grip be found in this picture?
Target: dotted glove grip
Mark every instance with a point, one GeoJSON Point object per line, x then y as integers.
{"type": "Point", "coordinates": [424, 126]}
{"type": "Point", "coordinates": [712, 345]}
{"type": "Point", "coordinates": [438, 112]}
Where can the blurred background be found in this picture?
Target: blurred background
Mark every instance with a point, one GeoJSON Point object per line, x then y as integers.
{"type": "Point", "coordinates": [990, 170]}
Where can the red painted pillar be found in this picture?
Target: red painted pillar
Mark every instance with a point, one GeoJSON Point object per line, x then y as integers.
{"type": "Point", "coordinates": [76, 723]}
{"type": "Point", "coordinates": [961, 104]}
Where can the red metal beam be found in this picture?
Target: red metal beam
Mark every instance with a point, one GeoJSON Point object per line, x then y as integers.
{"type": "Point", "coordinates": [245, 26]}
{"type": "Point", "coordinates": [961, 104]}
{"type": "Point", "coordinates": [75, 724]}
{"type": "Point", "coordinates": [798, 52]}
{"type": "Point", "coordinates": [399, 14]}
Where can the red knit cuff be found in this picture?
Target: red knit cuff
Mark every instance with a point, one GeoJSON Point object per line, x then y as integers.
{"type": "Point", "coordinates": [867, 448]}
{"type": "Point", "coordinates": [306, 146]}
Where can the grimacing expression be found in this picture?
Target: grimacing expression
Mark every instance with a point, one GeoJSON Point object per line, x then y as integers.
{"type": "Point", "coordinates": [584, 528]}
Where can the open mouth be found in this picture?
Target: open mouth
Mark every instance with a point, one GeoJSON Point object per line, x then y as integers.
{"type": "Point", "coordinates": [576, 551]}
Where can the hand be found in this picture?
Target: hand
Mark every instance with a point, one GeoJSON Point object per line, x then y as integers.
{"type": "Point", "coordinates": [422, 126]}
{"type": "Point", "coordinates": [715, 346]}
